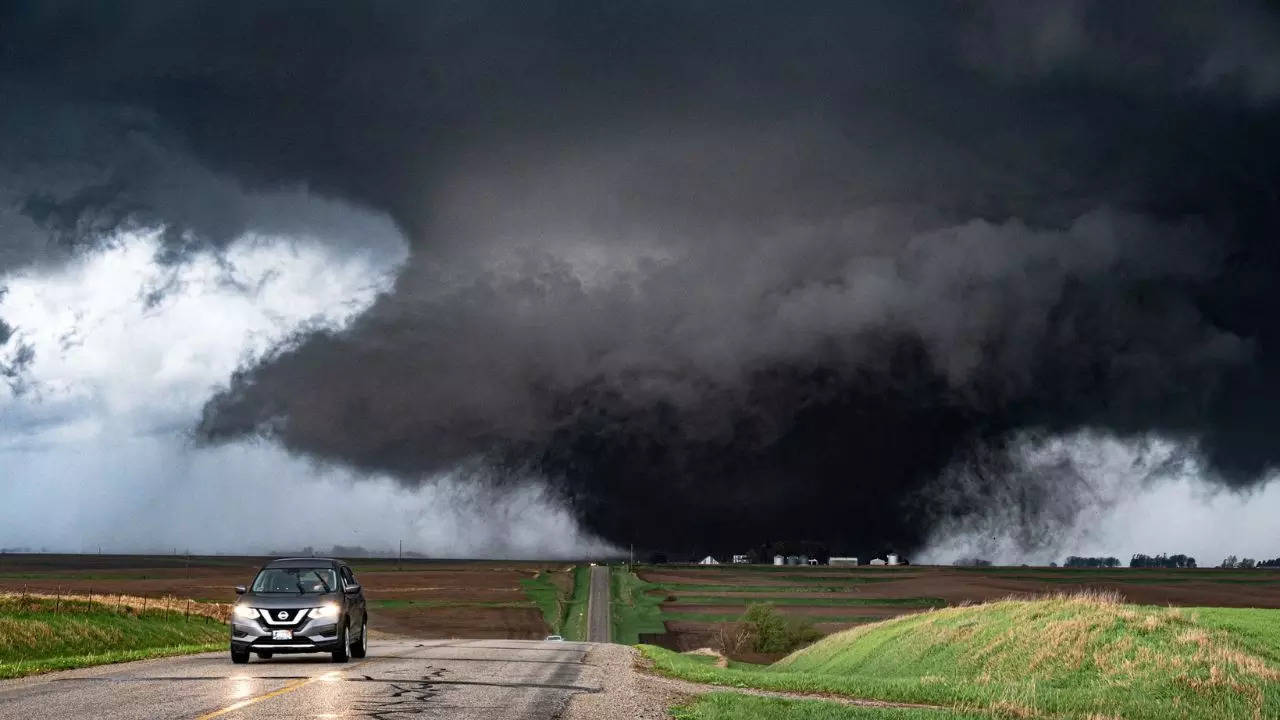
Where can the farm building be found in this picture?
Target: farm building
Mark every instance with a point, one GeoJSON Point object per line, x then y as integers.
{"type": "Point", "coordinates": [779, 560]}
{"type": "Point", "coordinates": [877, 561]}
{"type": "Point", "coordinates": [708, 560]}
{"type": "Point", "coordinates": [893, 559]}
{"type": "Point", "coordinates": [844, 561]}
{"type": "Point", "coordinates": [741, 560]}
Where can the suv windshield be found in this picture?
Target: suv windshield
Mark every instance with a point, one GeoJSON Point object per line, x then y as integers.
{"type": "Point", "coordinates": [295, 580]}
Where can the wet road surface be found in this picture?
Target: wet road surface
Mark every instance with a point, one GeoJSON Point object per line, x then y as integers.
{"type": "Point", "coordinates": [462, 679]}
{"type": "Point", "coordinates": [599, 628]}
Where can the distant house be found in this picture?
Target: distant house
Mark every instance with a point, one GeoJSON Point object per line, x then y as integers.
{"type": "Point", "coordinates": [877, 561]}
{"type": "Point", "coordinates": [741, 560]}
{"type": "Point", "coordinates": [708, 560]}
{"type": "Point", "coordinates": [844, 561]}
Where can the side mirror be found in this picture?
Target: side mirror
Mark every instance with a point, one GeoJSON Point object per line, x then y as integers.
{"type": "Point", "coordinates": [352, 589]}
{"type": "Point", "coordinates": [240, 590]}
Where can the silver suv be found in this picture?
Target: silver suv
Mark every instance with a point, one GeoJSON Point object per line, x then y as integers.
{"type": "Point", "coordinates": [300, 605]}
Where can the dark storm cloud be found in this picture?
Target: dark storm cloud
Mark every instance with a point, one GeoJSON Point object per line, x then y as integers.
{"type": "Point", "coordinates": [748, 268]}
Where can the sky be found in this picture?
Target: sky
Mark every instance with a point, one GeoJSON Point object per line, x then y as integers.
{"type": "Point", "coordinates": [556, 278]}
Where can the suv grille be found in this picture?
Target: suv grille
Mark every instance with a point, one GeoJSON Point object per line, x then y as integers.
{"type": "Point", "coordinates": [282, 618]}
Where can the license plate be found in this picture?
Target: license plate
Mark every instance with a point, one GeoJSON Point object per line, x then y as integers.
{"type": "Point", "coordinates": [281, 634]}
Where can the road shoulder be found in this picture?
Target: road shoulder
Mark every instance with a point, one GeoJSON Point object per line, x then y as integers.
{"type": "Point", "coordinates": [625, 692]}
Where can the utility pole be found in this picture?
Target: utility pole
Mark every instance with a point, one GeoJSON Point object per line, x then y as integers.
{"type": "Point", "coordinates": [400, 554]}
{"type": "Point", "coordinates": [633, 557]}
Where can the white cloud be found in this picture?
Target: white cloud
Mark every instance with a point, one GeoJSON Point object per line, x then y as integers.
{"type": "Point", "coordinates": [95, 451]}
{"type": "Point", "coordinates": [125, 345]}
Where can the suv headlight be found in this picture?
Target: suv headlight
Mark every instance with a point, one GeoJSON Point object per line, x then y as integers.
{"type": "Point", "coordinates": [244, 612]}
{"type": "Point", "coordinates": [328, 611]}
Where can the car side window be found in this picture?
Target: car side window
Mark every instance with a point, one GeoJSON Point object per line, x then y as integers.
{"type": "Point", "coordinates": [347, 578]}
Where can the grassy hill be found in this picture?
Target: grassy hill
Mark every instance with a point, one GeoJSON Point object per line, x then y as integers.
{"type": "Point", "coordinates": [1078, 656]}
{"type": "Point", "coordinates": [39, 635]}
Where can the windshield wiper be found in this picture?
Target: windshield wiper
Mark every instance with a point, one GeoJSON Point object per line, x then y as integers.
{"type": "Point", "coordinates": [322, 582]}
{"type": "Point", "coordinates": [301, 590]}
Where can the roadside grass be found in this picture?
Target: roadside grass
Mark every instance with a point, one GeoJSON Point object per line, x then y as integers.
{"type": "Point", "coordinates": [633, 609]}
{"type": "Point", "coordinates": [1069, 656]}
{"type": "Point", "coordinates": [549, 598]}
{"type": "Point", "coordinates": [40, 635]}
{"type": "Point", "coordinates": [921, 602]}
{"type": "Point", "coordinates": [564, 610]}
{"type": "Point", "coordinates": [575, 622]}
{"type": "Point", "coordinates": [737, 706]}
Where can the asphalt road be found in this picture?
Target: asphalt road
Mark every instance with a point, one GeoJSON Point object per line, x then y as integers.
{"type": "Point", "coordinates": [599, 628]}
{"type": "Point", "coordinates": [460, 679]}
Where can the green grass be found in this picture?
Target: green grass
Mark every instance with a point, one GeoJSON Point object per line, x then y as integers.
{"type": "Point", "coordinates": [549, 598]}
{"type": "Point", "coordinates": [736, 706]}
{"type": "Point", "coordinates": [633, 609]}
{"type": "Point", "coordinates": [565, 613]}
{"type": "Point", "coordinates": [731, 617]}
{"type": "Point", "coordinates": [34, 638]}
{"type": "Point", "coordinates": [1068, 657]}
{"type": "Point", "coordinates": [575, 622]}
{"type": "Point", "coordinates": [921, 602]}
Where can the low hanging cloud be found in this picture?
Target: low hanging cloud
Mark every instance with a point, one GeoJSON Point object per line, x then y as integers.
{"type": "Point", "coordinates": [1043, 498]}
{"type": "Point", "coordinates": [762, 273]}
{"type": "Point", "coordinates": [121, 495]}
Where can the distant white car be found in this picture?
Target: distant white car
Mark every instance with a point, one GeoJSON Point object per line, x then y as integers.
{"type": "Point", "coordinates": [554, 638]}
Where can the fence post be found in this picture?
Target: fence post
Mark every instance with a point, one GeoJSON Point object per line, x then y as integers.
{"type": "Point", "coordinates": [57, 604]}
{"type": "Point", "coordinates": [144, 605]}
{"type": "Point", "coordinates": [188, 613]}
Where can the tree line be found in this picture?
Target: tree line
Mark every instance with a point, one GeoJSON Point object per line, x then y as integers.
{"type": "Point", "coordinates": [1162, 561]}
{"type": "Point", "coordinates": [1232, 561]}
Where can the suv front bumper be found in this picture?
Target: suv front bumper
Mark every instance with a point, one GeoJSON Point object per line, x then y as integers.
{"type": "Point", "coordinates": [311, 636]}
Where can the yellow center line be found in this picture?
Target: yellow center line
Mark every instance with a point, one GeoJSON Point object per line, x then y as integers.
{"type": "Point", "coordinates": [286, 689]}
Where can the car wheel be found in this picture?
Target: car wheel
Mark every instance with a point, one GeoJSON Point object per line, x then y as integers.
{"type": "Point", "coordinates": [360, 647]}
{"type": "Point", "coordinates": [344, 645]}
{"type": "Point", "coordinates": [264, 655]}
{"type": "Point", "coordinates": [239, 657]}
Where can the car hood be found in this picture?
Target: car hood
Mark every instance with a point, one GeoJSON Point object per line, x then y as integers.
{"type": "Point", "coordinates": [276, 600]}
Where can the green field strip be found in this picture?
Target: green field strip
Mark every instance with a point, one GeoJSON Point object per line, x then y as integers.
{"type": "Point", "coordinates": [730, 618]}
{"type": "Point", "coordinates": [634, 611]}
{"type": "Point", "coordinates": [811, 602]}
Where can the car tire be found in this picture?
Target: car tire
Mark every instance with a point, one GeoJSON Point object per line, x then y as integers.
{"type": "Point", "coordinates": [344, 644]}
{"type": "Point", "coordinates": [361, 648]}
{"type": "Point", "coordinates": [239, 657]}
{"type": "Point", "coordinates": [264, 655]}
